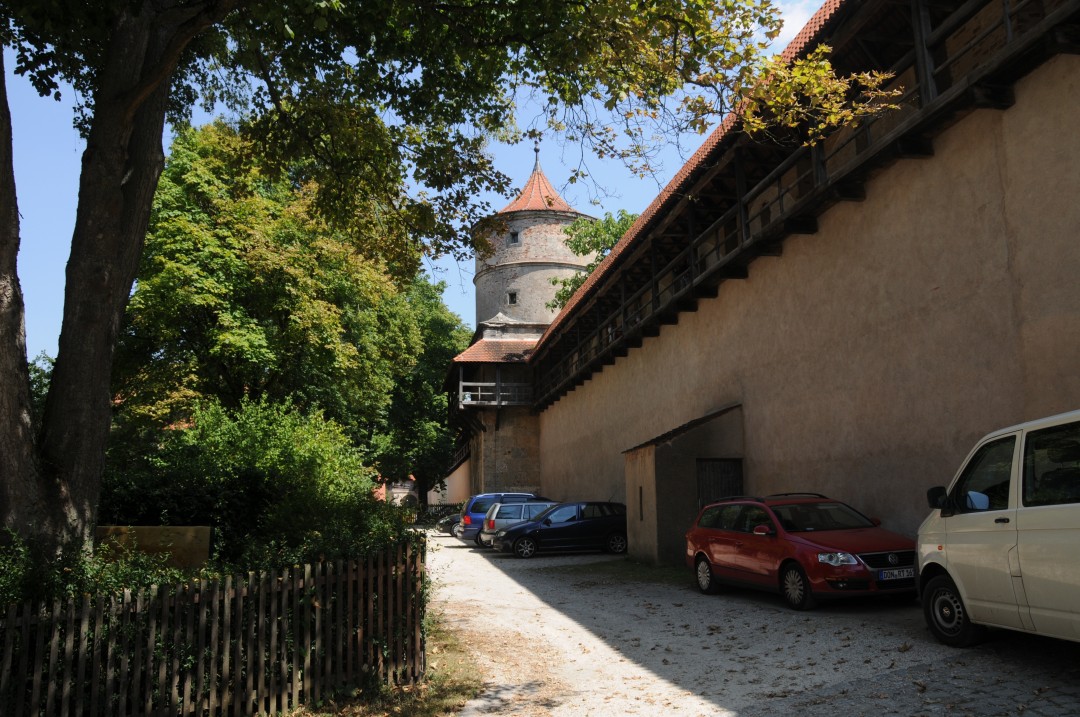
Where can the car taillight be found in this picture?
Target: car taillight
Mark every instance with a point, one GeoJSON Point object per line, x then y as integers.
{"type": "Point", "coordinates": [491, 524]}
{"type": "Point", "coordinates": [466, 520]}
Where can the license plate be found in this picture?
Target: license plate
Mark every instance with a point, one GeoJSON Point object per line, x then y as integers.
{"type": "Point", "coordinates": [898, 574]}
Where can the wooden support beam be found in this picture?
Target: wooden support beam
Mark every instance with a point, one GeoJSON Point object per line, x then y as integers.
{"type": "Point", "coordinates": [801, 225]}
{"type": "Point", "coordinates": [994, 97]}
{"type": "Point", "coordinates": [706, 291]}
{"type": "Point", "coordinates": [686, 304]}
{"type": "Point", "coordinates": [1065, 39]}
{"type": "Point", "coordinates": [734, 271]}
{"type": "Point", "coordinates": [914, 147]}
{"type": "Point", "coordinates": [850, 190]}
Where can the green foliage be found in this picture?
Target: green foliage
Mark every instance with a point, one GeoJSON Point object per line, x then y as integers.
{"type": "Point", "coordinates": [808, 95]}
{"type": "Point", "coordinates": [385, 94]}
{"type": "Point", "coordinates": [417, 439]}
{"type": "Point", "coordinates": [40, 374]}
{"type": "Point", "coordinates": [29, 572]}
{"type": "Point", "coordinates": [244, 293]}
{"type": "Point", "coordinates": [589, 237]}
{"type": "Point", "coordinates": [278, 486]}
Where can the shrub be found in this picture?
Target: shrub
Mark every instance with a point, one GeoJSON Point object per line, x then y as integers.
{"type": "Point", "coordinates": [278, 486]}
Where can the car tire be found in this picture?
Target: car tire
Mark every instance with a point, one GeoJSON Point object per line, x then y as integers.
{"type": "Point", "coordinates": [795, 588]}
{"type": "Point", "coordinates": [946, 614]}
{"type": "Point", "coordinates": [479, 543]}
{"type": "Point", "coordinates": [450, 530]}
{"type": "Point", "coordinates": [616, 543]}
{"type": "Point", "coordinates": [525, 547]}
{"type": "Point", "coordinates": [706, 580]}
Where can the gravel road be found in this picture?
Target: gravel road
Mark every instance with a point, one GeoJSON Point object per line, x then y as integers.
{"type": "Point", "coordinates": [562, 635]}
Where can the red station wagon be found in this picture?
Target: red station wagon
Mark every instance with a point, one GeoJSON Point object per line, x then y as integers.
{"type": "Point", "coordinates": [802, 545]}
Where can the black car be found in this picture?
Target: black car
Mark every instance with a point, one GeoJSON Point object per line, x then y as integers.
{"type": "Point", "coordinates": [568, 526]}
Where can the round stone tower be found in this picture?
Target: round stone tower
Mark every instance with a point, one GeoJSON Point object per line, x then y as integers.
{"type": "Point", "coordinates": [527, 253]}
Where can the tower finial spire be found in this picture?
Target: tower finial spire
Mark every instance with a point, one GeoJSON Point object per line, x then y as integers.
{"type": "Point", "coordinates": [536, 163]}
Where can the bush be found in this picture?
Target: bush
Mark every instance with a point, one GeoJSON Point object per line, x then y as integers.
{"type": "Point", "coordinates": [278, 486]}
{"type": "Point", "coordinates": [29, 572]}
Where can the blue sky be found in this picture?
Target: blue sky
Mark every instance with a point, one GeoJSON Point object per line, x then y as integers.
{"type": "Point", "coordinates": [48, 153]}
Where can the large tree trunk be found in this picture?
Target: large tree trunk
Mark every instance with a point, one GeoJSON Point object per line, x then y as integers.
{"type": "Point", "coordinates": [21, 499]}
{"type": "Point", "coordinates": [120, 171]}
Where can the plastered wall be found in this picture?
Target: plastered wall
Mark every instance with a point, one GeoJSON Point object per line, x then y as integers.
{"type": "Point", "coordinates": [526, 267]}
{"type": "Point", "coordinates": [871, 355]}
{"type": "Point", "coordinates": [508, 451]}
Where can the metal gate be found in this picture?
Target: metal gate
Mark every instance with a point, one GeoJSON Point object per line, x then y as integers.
{"type": "Point", "coordinates": [718, 478]}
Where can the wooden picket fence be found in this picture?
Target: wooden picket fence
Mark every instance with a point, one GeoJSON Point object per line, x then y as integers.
{"type": "Point", "coordinates": [260, 643]}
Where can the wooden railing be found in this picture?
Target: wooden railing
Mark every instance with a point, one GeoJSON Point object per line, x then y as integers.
{"type": "Point", "coordinates": [478, 393]}
{"type": "Point", "coordinates": [966, 60]}
{"type": "Point", "coordinates": [260, 643]}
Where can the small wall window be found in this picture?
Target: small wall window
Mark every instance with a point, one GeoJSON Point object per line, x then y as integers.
{"type": "Point", "coordinates": [514, 239]}
{"type": "Point", "coordinates": [511, 298]}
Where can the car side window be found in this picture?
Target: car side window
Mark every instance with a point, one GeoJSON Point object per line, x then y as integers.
{"type": "Point", "coordinates": [1052, 465]}
{"type": "Point", "coordinates": [592, 511]}
{"type": "Point", "coordinates": [729, 516]}
{"type": "Point", "coordinates": [709, 517]}
{"type": "Point", "coordinates": [753, 516]}
{"type": "Point", "coordinates": [480, 506]}
{"type": "Point", "coordinates": [531, 511]}
{"type": "Point", "coordinates": [984, 484]}
{"type": "Point", "coordinates": [564, 514]}
{"type": "Point", "coordinates": [515, 498]}
{"type": "Point", "coordinates": [509, 511]}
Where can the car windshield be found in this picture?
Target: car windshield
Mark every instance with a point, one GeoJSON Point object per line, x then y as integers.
{"type": "Point", "coordinates": [807, 517]}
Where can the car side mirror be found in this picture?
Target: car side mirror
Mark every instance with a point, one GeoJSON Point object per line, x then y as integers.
{"type": "Point", "coordinates": [764, 529]}
{"type": "Point", "coordinates": [547, 521]}
{"type": "Point", "coordinates": [937, 498]}
{"type": "Point", "coordinates": [876, 522]}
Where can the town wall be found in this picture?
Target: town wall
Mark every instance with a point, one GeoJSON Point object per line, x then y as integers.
{"type": "Point", "coordinates": [869, 356]}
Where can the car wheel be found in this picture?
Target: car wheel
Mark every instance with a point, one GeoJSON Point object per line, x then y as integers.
{"type": "Point", "coordinates": [525, 547]}
{"type": "Point", "coordinates": [946, 615]}
{"type": "Point", "coordinates": [616, 543]}
{"type": "Point", "coordinates": [478, 541]}
{"type": "Point", "coordinates": [796, 588]}
{"type": "Point", "coordinates": [452, 528]}
{"type": "Point", "coordinates": [706, 581]}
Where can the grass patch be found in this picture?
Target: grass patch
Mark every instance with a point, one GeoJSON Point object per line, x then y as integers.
{"type": "Point", "coordinates": [626, 570]}
{"type": "Point", "coordinates": [452, 679]}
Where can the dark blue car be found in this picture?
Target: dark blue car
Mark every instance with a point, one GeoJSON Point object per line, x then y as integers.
{"type": "Point", "coordinates": [476, 507]}
{"type": "Point", "coordinates": [568, 526]}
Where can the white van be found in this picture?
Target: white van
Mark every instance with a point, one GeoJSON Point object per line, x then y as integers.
{"type": "Point", "coordinates": [1002, 545]}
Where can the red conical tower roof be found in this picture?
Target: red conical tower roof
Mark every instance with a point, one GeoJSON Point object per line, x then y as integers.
{"type": "Point", "coordinates": [537, 194]}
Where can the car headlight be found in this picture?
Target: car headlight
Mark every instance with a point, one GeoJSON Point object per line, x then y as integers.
{"type": "Point", "coordinates": [500, 533]}
{"type": "Point", "coordinates": [837, 559]}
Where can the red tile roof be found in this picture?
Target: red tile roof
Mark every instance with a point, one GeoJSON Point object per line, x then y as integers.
{"type": "Point", "coordinates": [497, 351]}
{"type": "Point", "coordinates": [675, 188]}
{"type": "Point", "coordinates": [537, 194]}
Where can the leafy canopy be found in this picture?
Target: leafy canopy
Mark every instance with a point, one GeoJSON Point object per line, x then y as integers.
{"type": "Point", "coordinates": [590, 237]}
{"type": "Point", "coordinates": [393, 93]}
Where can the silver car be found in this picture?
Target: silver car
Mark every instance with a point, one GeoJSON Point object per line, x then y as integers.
{"type": "Point", "coordinates": [503, 515]}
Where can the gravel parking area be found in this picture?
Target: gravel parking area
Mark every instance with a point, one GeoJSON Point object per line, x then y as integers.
{"type": "Point", "coordinates": [567, 635]}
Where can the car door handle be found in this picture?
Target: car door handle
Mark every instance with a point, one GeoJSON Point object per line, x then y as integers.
{"type": "Point", "coordinates": [1001, 520]}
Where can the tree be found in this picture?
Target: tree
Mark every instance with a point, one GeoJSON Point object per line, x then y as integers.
{"type": "Point", "coordinates": [418, 440]}
{"type": "Point", "coordinates": [244, 293]}
{"type": "Point", "coordinates": [589, 237]}
{"type": "Point", "coordinates": [377, 90]}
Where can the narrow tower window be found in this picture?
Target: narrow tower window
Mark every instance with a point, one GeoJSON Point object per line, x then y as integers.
{"type": "Point", "coordinates": [513, 240]}
{"type": "Point", "coordinates": [511, 298]}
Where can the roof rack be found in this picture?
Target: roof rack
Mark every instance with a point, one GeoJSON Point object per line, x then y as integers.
{"type": "Point", "coordinates": [736, 497]}
{"type": "Point", "coordinates": [792, 495]}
